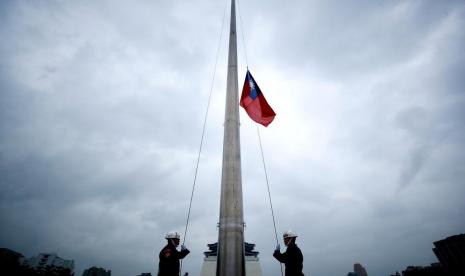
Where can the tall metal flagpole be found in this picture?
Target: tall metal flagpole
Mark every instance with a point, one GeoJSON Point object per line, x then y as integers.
{"type": "Point", "coordinates": [230, 260]}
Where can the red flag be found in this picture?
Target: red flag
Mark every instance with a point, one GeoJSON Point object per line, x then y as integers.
{"type": "Point", "coordinates": [254, 103]}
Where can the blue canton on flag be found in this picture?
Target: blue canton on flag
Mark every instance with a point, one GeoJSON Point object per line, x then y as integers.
{"type": "Point", "coordinates": [253, 92]}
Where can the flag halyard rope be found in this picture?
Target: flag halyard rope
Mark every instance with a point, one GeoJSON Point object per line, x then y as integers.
{"type": "Point", "coordinates": [242, 32]}
{"type": "Point", "coordinates": [269, 193]}
{"type": "Point", "coordinates": [203, 134]}
{"type": "Point", "coordinates": [259, 139]}
{"type": "Point", "coordinates": [203, 131]}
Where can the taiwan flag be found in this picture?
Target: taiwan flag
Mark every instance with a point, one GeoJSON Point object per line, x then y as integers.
{"type": "Point", "coordinates": [254, 103]}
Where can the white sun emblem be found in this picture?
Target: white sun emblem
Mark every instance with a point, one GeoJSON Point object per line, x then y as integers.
{"type": "Point", "coordinates": [252, 85]}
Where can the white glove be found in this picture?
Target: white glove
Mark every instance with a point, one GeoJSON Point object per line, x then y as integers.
{"type": "Point", "coordinates": [183, 247]}
{"type": "Point", "coordinates": [278, 247]}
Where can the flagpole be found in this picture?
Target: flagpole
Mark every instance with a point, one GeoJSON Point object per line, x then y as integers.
{"type": "Point", "coordinates": [230, 260]}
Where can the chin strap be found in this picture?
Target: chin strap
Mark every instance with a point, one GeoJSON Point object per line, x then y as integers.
{"type": "Point", "coordinates": [172, 242]}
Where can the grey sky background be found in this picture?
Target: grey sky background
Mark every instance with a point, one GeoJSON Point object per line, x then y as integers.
{"type": "Point", "coordinates": [101, 111]}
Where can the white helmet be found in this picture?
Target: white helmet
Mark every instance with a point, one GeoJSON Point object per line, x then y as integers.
{"type": "Point", "coordinates": [172, 235]}
{"type": "Point", "coordinates": [289, 234]}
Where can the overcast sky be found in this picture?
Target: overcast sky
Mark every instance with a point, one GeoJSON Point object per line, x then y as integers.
{"type": "Point", "coordinates": [101, 112]}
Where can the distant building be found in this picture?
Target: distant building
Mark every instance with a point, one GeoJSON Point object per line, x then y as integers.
{"type": "Point", "coordinates": [451, 253]}
{"type": "Point", "coordinates": [432, 270]}
{"type": "Point", "coordinates": [10, 262]}
{"type": "Point", "coordinates": [96, 271]}
{"type": "Point", "coordinates": [145, 274]}
{"type": "Point", "coordinates": [360, 270]}
{"type": "Point", "coordinates": [252, 265]}
{"type": "Point", "coordinates": [50, 264]}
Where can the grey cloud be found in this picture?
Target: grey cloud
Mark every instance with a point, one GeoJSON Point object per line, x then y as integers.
{"type": "Point", "coordinates": [101, 108]}
{"type": "Point", "coordinates": [417, 125]}
{"type": "Point", "coordinates": [416, 160]}
{"type": "Point", "coordinates": [345, 46]}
